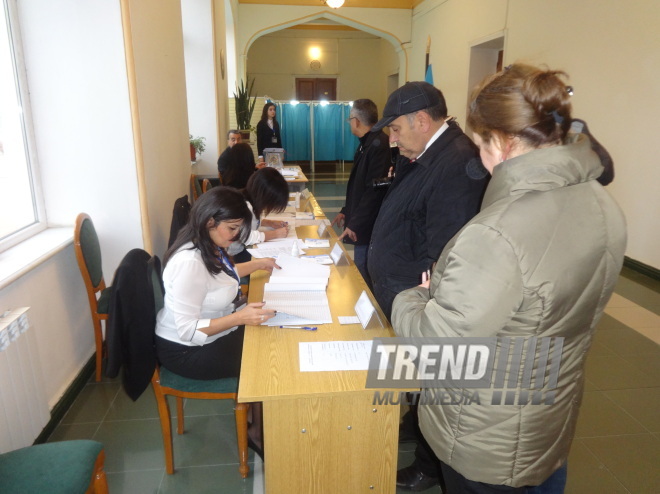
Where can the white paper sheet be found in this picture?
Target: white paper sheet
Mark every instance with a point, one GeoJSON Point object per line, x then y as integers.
{"type": "Point", "coordinates": [297, 304]}
{"type": "Point", "coordinates": [334, 355]}
{"type": "Point", "coordinates": [317, 243]}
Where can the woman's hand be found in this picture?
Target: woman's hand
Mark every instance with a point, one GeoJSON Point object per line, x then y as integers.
{"type": "Point", "coordinates": [279, 233]}
{"type": "Point", "coordinates": [254, 314]}
{"type": "Point", "coordinates": [274, 224]}
{"type": "Point", "coordinates": [267, 264]}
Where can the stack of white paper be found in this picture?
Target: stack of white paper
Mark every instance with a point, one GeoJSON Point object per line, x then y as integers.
{"type": "Point", "coordinates": [275, 248]}
{"type": "Point", "coordinates": [297, 292]}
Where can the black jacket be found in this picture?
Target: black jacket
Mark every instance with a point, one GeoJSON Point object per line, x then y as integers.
{"type": "Point", "coordinates": [132, 323]}
{"type": "Point", "coordinates": [371, 161]}
{"type": "Point", "coordinates": [180, 215]}
{"type": "Point", "coordinates": [222, 161]}
{"type": "Point", "coordinates": [428, 202]}
{"type": "Point", "coordinates": [265, 136]}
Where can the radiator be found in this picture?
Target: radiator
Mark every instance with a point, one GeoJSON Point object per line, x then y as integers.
{"type": "Point", "coordinates": [23, 405]}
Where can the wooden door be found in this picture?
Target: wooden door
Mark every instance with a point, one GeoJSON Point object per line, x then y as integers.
{"type": "Point", "coordinates": [314, 89]}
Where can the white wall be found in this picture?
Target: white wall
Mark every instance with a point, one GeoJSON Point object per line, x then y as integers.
{"type": "Point", "coordinates": [79, 87]}
{"type": "Point", "coordinates": [74, 53]}
{"type": "Point", "coordinates": [200, 79]}
{"type": "Point", "coordinates": [610, 49]}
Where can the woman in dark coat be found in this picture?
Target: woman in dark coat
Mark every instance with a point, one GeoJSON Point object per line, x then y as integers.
{"type": "Point", "coordinates": [268, 130]}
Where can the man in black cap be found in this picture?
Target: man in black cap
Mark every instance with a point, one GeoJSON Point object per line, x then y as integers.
{"type": "Point", "coordinates": [437, 188]}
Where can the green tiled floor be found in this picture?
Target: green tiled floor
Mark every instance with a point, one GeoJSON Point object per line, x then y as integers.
{"type": "Point", "coordinates": [616, 449]}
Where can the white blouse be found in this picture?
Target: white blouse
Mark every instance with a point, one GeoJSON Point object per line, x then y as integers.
{"type": "Point", "coordinates": [193, 297]}
{"type": "Point", "coordinates": [256, 237]}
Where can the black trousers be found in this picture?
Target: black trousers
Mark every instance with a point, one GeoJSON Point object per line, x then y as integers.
{"type": "Point", "coordinates": [425, 459]}
{"type": "Point", "coordinates": [217, 360]}
{"type": "Point", "coordinates": [455, 483]}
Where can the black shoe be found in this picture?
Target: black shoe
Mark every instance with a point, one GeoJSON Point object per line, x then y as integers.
{"type": "Point", "coordinates": [412, 479]}
{"type": "Point", "coordinates": [255, 448]}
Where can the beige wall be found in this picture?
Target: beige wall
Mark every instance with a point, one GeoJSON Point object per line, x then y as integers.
{"type": "Point", "coordinates": [160, 100]}
{"type": "Point", "coordinates": [611, 52]}
{"type": "Point", "coordinates": [255, 21]}
{"type": "Point", "coordinates": [359, 63]}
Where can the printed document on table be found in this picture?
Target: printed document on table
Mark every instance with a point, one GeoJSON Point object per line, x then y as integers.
{"type": "Point", "coordinates": [300, 304]}
{"type": "Point", "coordinates": [334, 355]}
{"type": "Point", "coordinates": [295, 270]}
{"type": "Point", "coordinates": [275, 248]}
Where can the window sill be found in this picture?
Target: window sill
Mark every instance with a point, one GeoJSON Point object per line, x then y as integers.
{"type": "Point", "coordinates": [27, 255]}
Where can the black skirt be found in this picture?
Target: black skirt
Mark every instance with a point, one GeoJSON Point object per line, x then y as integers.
{"type": "Point", "coordinates": [216, 360]}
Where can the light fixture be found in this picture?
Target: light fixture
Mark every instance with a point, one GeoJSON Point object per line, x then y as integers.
{"type": "Point", "coordinates": [333, 4]}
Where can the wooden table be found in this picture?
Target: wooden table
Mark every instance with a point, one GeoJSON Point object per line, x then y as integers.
{"type": "Point", "coordinates": [322, 433]}
{"type": "Point", "coordinates": [300, 182]}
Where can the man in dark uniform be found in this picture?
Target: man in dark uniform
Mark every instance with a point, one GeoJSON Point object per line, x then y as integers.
{"type": "Point", "coordinates": [437, 188]}
{"type": "Point", "coordinates": [371, 161]}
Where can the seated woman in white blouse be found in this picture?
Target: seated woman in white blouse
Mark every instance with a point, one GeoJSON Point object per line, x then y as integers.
{"type": "Point", "coordinates": [266, 192]}
{"type": "Point", "coordinates": [199, 331]}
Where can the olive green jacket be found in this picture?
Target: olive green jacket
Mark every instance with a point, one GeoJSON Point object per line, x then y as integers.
{"type": "Point", "coordinates": [540, 260]}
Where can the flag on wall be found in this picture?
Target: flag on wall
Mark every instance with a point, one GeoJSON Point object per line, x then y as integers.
{"type": "Point", "coordinates": [429, 74]}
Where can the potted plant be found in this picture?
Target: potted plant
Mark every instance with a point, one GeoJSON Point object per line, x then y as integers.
{"type": "Point", "coordinates": [244, 103]}
{"type": "Point", "coordinates": [197, 146]}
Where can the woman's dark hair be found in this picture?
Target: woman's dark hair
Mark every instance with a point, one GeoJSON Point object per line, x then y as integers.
{"type": "Point", "coordinates": [267, 191]}
{"type": "Point", "coordinates": [522, 101]}
{"type": "Point", "coordinates": [264, 112]}
{"type": "Point", "coordinates": [240, 165]}
{"type": "Point", "coordinates": [216, 205]}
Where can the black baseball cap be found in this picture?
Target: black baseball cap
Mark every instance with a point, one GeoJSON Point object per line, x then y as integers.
{"type": "Point", "coordinates": [409, 98]}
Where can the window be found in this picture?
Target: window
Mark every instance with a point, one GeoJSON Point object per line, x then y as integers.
{"type": "Point", "coordinates": [21, 207]}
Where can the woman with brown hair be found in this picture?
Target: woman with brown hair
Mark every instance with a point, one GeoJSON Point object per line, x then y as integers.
{"type": "Point", "coordinates": [540, 260]}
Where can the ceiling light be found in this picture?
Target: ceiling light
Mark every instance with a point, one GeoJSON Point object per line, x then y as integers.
{"type": "Point", "coordinates": [334, 4]}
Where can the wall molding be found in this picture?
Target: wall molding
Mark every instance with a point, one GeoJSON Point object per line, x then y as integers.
{"type": "Point", "coordinates": [642, 268]}
{"type": "Point", "coordinates": [69, 396]}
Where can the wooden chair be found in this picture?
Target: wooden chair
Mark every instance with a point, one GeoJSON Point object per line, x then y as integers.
{"type": "Point", "coordinates": [66, 467]}
{"type": "Point", "coordinates": [88, 255]}
{"type": "Point", "coordinates": [195, 187]}
{"type": "Point", "coordinates": [166, 383]}
{"type": "Point", "coordinates": [206, 185]}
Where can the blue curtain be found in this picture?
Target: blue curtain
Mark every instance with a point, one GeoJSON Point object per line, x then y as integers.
{"type": "Point", "coordinates": [295, 129]}
{"type": "Point", "coordinates": [333, 139]}
{"type": "Point", "coordinates": [327, 132]}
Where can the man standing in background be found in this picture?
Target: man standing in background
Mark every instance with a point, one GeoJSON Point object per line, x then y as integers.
{"type": "Point", "coordinates": [371, 161]}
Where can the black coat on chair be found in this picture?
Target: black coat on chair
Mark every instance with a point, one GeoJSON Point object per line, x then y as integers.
{"type": "Point", "coordinates": [132, 323]}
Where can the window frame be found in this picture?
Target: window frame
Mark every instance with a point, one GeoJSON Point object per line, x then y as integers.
{"type": "Point", "coordinates": [11, 18]}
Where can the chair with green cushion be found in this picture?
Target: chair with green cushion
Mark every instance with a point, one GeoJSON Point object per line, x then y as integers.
{"type": "Point", "coordinates": [195, 186]}
{"type": "Point", "coordinates": [168, 383]}
{"type": "Point", "coordinates": [88, 255]}
{"type": "Point", "coordinates": [67, 467]}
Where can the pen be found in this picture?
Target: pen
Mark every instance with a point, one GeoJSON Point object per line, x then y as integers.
{"type": "Point", "coordinates": [308, 328]}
